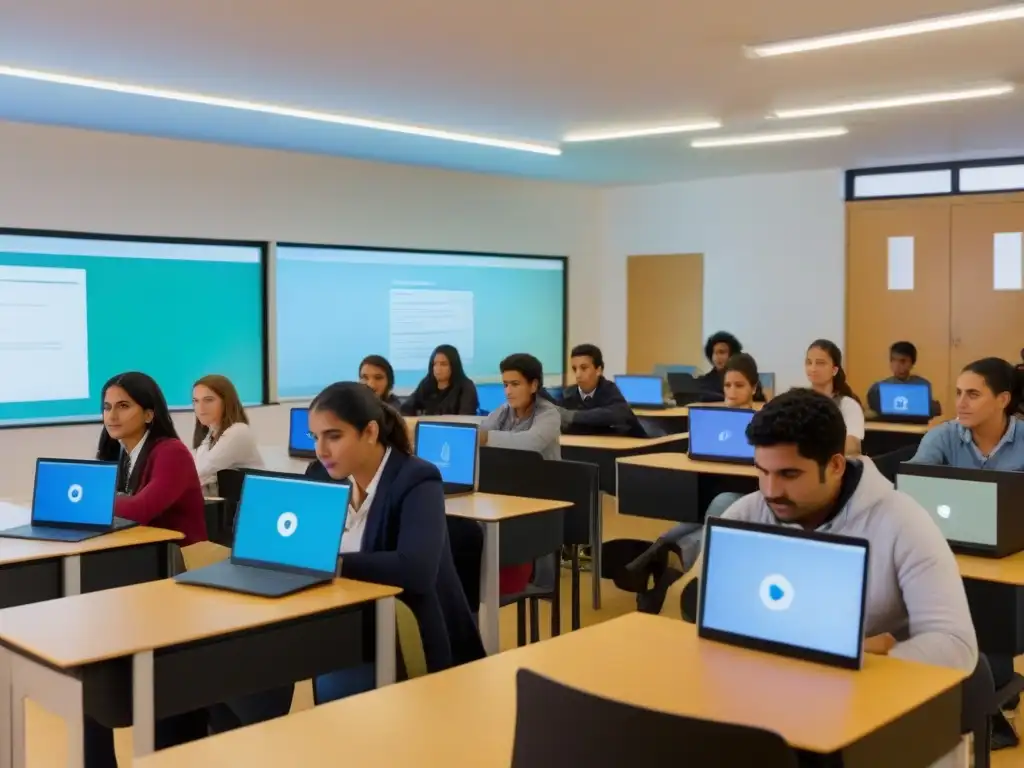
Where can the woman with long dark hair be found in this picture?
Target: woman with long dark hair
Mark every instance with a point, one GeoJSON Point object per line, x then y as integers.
{"type": "Point", "coordinates": [824, 367]}
{"type": "Point", "coordinates": [446, 390]}
{"type": "Point", "coordinates": [376, 372]}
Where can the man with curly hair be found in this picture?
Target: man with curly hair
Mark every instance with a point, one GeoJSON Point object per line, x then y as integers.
{"type": "Point", "coordinates": [718, 349]}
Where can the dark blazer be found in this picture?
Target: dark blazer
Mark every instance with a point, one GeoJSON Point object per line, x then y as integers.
{"type": "Point", "coordinates": [604, 412]}
{"type": "Point", "coordinates": [460, 399]}
{"type": "Point", "coordinates": [406, 545]}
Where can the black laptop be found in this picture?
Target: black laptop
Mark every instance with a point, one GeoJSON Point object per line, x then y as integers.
{"type": "Point", "coordinates": [453, 448]}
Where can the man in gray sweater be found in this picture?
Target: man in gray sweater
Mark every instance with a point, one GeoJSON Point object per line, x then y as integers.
{"type": "Point", "coordinates": [916, 605]}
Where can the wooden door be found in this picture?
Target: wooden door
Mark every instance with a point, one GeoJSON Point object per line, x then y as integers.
{"type": "Point", "coordinates": [915, 307]}
{"type": "Point", "coordinates": [664, 311]}
{"type": "Point", "coordinates": [986, 320]}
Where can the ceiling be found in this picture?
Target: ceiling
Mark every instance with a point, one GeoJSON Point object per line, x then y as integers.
{"type": "Point", "coordinates": [530, 70]}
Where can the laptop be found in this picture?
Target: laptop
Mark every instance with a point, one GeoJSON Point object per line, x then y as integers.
{"type": "Point", "coordinates": [73, 501]}
{"type": "Point", "coordinates": [784, 590]}
{"type": "Point", "coordinates": [641, 391]}
{"type": "Point", "coordinates": [720, 434]}
{"type": "Point", "coordinates": [685, 388]}
{"type": "Point", "coordinates": [300, 443]}
{"type": "Point", "coordinates": [287, 536]}
{"type": "Point", "coordinates": [490, 397]}
{"type": "Point", "coordinates": [977, 510]}
{"type": "Point", "coordinates": [557, 394]}
{"type": "Point", "coordinates": [452, 448]}
{"type": "Point", "coordinates": [906, 403]}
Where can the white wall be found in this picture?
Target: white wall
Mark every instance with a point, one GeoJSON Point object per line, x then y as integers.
{"type": "Point", "coordinates": [774, 259]}
{"type": "Point", "coordinates": [68, 179]}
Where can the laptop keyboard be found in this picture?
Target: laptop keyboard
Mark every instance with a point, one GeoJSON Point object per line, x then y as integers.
{"type": "Point", "coordinates": [263, 578]}
{"type": "Point", "coordinates": [59, 534]}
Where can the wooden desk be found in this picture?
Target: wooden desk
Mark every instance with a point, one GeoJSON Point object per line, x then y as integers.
{"type": "Point", "coordinates": [890, 713]}
{"type": "Point", "coordinates": [604, 450]}
{"type": "Point", "coordinates": [995, 594]}
{"type": "Point", "coordinates": [149, 650]}
{"type": "Point", "coordinates": [516, 530]}
{"type": "Point", "coordinates": [885, 436]}
{"type": "Point", "coordinates": [662, 413]}
{"type": "Point", "coordinates": [674, 420]}
{"type": "Point", "coordinates": [671, 486]}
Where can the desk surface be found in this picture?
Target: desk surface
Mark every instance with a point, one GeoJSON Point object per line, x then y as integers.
{"type": "Point", "coordinates": [494, 507]}
{"type": "Point", "coordinates": [465, 717]}
{"type": "Point", "coordinates": [907, 429]}
{"type": "Point", "coordinates": [683, 463]}
{"type": "Point", "coordinates": [1004, 570]}
{"type": "Point", "coordinates": [612, 443]}
{"type": "Point", "coordinates": [113, 623]}
{"type": "Point", "coordinates": [680, 412]}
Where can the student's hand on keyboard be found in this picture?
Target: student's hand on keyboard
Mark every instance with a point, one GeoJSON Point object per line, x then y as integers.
{"type": "Point", "coordinates": [880, 645]}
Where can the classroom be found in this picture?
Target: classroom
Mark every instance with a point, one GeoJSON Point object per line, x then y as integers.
{"type": "Point", "coordinates": [545, 385]}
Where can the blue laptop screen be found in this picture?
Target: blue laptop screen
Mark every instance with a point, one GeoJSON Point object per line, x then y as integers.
{"type": "Point", "coordinates": [298, 431]}
{"type": "Point", "coordinates": [74, 492]}
{"type": "Point", "coordinates": [491, 396]}
{"type": "Point", "coordinates": [719, 433]}
{"type": "Point", "coordinates": [800, 592]}
{"type": "Point", "coordinates": [641, 390]}
{"type": "Point", "coordinates": [904, 399]}
{"type": "Point", "coordinates": [451, 448]}
{"type": "Point", "coordinates": [291, 522]}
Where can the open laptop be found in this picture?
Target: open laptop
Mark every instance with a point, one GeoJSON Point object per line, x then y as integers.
{"type": "Point", "coordinates": [287, 535]}
{"type": "Point", "coordinates": [685, 388]}
{"type": "Point", "coordinates": [907, 403]}
{"type": "Point", "coordinates": [73, 501]}
{"type": "Point", "coordinates": [452, 448]}
{"type": "Point", "coordinates": [977, 510]}
{"type": "Point", "coordinates": [641, 391]}
{"type": "Point", "coordinates": [720, 434]}
{"type": "Point", "coordinates": [490, 397]}
{"type": "Point", "coordinates": [784, 590]}
{"type": "Point", "coordinates": [300, 444]}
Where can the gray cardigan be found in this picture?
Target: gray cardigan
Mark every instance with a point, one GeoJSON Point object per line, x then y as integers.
{"type": "Point", "coordinates": [539, 432]}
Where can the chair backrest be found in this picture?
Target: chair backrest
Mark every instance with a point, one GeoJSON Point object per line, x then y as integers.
{"type": "Point", "coordinates": [889, 463]}
{"type": "Point", "coordinates": [229, 485]}
{"type": "Point", "coordinates": [562, 727]}
{"type": "Point", "coordinates": [466, 539]}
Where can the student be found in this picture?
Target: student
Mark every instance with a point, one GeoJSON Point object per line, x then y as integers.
{"type": "Point", "coordinates": [902, 359]}
{"type": "Point", "coordinates": [824, 368]}
{"type": "Point", "coordinates": [595, 405]}
{"type": "Point", "coordinates": [376, 372]}
{"type": "Point", "coordinates": [718, 349]}
{"type": "Point", "coordinates": [221, 438]}
{"type": "Point", "coordinates": [916, 607]}
{"type": "Point", "coordinates": [741, 383]}
{"type": "Point", "coordinates": [445, 390]}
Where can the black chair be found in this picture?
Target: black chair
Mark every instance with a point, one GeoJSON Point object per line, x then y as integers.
{"type": "Point", "coordinates": [229, 487]}
{"type": "Point", "coordinates": [466, 539]}
{"type": "Point", "coordinates": [562, 727]}
{"type": "Point", "coordinates": [978, 706]}
{"type": "Point", "coordinates": [889, 463]}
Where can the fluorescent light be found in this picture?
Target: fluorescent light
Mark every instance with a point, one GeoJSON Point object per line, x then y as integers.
{"type": "Point", "coordinates": [626, 133]}
{"type": "Point", "coordinates": [936, 24]}
{"type": "Point", "coordinates": [768, 137]}
{"type": "Point", "coordinates": [273, 109]}
{"type": "Point", "coordinates": [896, 101]}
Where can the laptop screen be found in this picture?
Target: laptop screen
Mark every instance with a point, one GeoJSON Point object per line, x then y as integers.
{"type": "Point", "coordinates": [291, 522]}
{"type": "Point", "coordinates": [451, 448]}
{"type": "Point", "coordinates": [298, 431]}
{"type": "Point", "coordinates": [904, 399]}
{"type": "Point", "coordinates": [964, 510]}
{"type": "Point", "coordinates": [641, 390]}
{"type": "Point", "coordinates": [720, 434]}
{"type": "Point", "coordinates": [74, 492]}
{"type": "Point", "coordinates": [790, 590]}
{"type": "Point", "coordinates": [490, 396]}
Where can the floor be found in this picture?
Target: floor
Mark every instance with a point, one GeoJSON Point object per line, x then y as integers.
{"type": "Point", "coordinates": [46, 734]}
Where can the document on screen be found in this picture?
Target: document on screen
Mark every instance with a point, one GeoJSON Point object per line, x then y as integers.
{"type": "Point", "coordinates": [422, 319]}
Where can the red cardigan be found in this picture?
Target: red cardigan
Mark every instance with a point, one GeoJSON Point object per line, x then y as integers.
{"type": "Point", "coordinates": [169, 494]}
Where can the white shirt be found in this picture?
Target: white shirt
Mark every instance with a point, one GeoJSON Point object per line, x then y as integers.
{"type": "Point", "coordinates": [853, 415]}
{"type": "Point", "coordinates": [235, 449]}
{"type": "Point", "coordinates": [134, 455]}
{"type": "Point", "coordinates": [359, 510]}
{"type": "Point", "coordinates": [584, 396]}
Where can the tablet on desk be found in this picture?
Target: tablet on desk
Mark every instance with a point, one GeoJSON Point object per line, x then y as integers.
{"type": "Point", "coordinates": [300, 442]}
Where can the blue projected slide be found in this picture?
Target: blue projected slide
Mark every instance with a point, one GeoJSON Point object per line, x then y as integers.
{"type": "Point", "coordinates": [74, 492]}
{"type": "Point", "coordinates": [298, 431]}
{"type": "Point", "coordinates": [785, 589]}
{"type": "Point", "coordinates": [904, 399]}
{"type": "Point", "coordinates": [291, 522]}
{"type": "Point", "coordinates": [641, 390]}
{"type": "Point", "coordinates": [450, 448]}
{"type": "Point", "coordinates": [76, 311]}
{"type": "Point", "coordinates": [718, 433]}
{"type": "Point", "coordinates": [403, 304]}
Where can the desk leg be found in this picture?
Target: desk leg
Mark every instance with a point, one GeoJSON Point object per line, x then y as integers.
{"type": "Point", "coordinates": [71, 568]}
{"type": "Point", "coordinates": [490, 599]}
{"type": "Point", "coordinates": [143, 705]}
{"type": "Point", "coordinates": [5, 708]}
{"type": "Point", "coordinates": [58, 692]}
{"type": "Point", "coordinates": [387, 631]}
{"type": "Point", "coordinates": [596, 542]}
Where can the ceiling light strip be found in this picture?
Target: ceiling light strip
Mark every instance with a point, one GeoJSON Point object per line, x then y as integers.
{"type": "Point", "coordinates": [775, 137]}
{"type": "Point", "coordinates": [635, 133]}
{"type": "Point", "coordinates": [895, 102]}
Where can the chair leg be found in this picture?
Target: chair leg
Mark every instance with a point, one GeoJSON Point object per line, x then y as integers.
{"type": "Point", "coordinates": [982, 745]}
{"type": "Point", "coordinates": [521, 623]}
{"type": "Point", "coordinates": [534, 620]}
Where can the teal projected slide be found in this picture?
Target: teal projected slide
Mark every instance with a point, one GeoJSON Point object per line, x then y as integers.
{"type": "Point", "coordinates": [336, 305]}
{"type": "Point", "coordinates": [75, 311]}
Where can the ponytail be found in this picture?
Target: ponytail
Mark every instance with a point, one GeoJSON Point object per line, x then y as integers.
{"type": "Point", "coordinates": [840, 386]}
{"type": "Point", "coordinates": [356, 404]}
{"type": "Point", "coordinates": [394, 432]}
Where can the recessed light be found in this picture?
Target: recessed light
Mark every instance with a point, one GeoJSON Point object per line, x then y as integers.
{"type": "Point", "coordinates": [634, 133]}
{"type": "Point", "coordinates": [275, 109]}
{"type": "Point", "coordinates": [771, 137]}
{"type": "Point", "coordinates": [923, 26]}
{"type": "Point", "coordinates": [894, 102]}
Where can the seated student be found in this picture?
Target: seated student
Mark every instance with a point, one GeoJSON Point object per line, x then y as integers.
{"type": "Point", "coordinates": [595, 405]}
{"type": "Point", "coordinates": [916, 607]}
{"type": "Point", "coordinates": [221, 438]}
{"type": "Point", "coordinates": [902, 359]}
{"type": "Point", "coordinates": [824, 368]}
{"type": "Point", "coordinates": [376, 372]}
{"type": "Point", "coordinates": [718, 349]}
{"type": "Point", "coordinates": [741, 383]}
{"type": "Point", "coordinates": [446, 390]}
{"type": "Point", "coordinates": [157, 485]}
